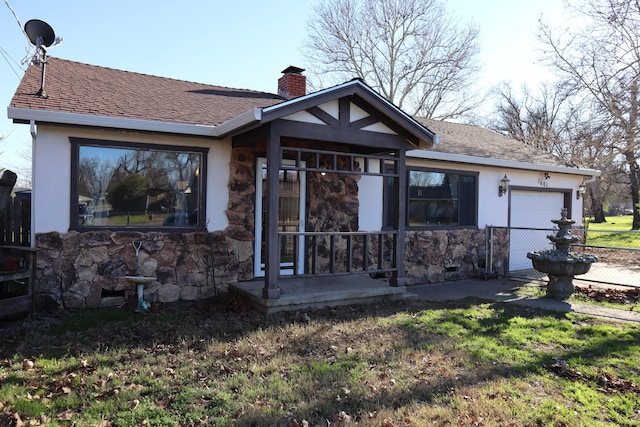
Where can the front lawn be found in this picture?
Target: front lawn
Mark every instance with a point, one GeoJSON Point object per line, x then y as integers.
{"type": "Point", "coordinates": [403, 364]}
{"type": "Point", "coordinates": [616, 232]}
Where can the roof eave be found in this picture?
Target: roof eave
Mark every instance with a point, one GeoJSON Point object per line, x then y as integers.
{"type": "Point", "coordinates": [75, 119]}
{"type": "Point", "coordinates": [241, 122]}
{"type": "Point", "coordinates": [508, 164]}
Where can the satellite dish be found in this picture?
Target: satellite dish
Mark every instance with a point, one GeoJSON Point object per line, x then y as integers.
{"type": "Point", "coordinates": [36, 28]}
{"type": "Point", "coordinates": [40, 35]}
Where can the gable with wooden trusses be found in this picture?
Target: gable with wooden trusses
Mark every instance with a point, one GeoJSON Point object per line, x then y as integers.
{"type": "Point", "coordinates": [351, 113]}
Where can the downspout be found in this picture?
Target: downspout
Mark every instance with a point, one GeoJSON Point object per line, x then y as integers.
{"type": "Point", "coordinates": [34, 134]}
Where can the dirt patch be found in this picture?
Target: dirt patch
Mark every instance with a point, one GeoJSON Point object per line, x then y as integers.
{"type": "Point", "coordinates": [616, 296]}
{"type": "Point", "coordinates": [605, 382]}
{"type": "Point", "coordinates": [626, 258]}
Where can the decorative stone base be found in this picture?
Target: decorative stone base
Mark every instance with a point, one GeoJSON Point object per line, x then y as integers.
{"type": "Point", "coordinates": [560, 287]}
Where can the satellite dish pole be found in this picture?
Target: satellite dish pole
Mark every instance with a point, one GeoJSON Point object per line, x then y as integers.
{"type": "Point", "coordinates": [41, 35]}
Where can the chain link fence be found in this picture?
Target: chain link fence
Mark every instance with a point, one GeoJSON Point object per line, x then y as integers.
{"type": "Point", "coordinates": [617, 266]}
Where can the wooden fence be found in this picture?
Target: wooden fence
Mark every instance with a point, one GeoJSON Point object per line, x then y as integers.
{"type": "Point", "coordinates": [15, 221]}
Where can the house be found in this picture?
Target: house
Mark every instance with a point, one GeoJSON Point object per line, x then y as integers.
{"type": "Point", "coordinates": [361, 188]}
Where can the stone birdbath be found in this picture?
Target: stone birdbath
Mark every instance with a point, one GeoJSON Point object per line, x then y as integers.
{"type": "Point", "coordinates": [138, 280]}
{"type": "Point", "coordinates": [560, 264]}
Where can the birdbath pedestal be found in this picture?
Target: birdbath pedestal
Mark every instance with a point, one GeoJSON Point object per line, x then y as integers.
{"type": "Point", "coordinates": [138, 280]}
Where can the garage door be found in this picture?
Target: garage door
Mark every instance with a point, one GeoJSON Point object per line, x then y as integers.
{"type": "Point", "coordinates": [531, 209]}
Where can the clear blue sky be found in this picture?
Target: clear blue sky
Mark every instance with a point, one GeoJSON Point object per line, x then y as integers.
{"type": "Point", "coordinates": [240, 43]}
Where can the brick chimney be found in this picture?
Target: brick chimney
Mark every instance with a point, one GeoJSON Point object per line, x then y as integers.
{"type": "Point", "coordinates": [292, 84]}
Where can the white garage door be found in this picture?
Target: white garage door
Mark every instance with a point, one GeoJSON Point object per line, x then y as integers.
{"type": "Point", "coordinates": [531, 209]}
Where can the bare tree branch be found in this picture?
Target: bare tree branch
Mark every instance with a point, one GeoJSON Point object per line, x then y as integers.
{"type": "Point", "coordinates": [599, 59]}
{"type": "Point", "coordinates": [411, 51]}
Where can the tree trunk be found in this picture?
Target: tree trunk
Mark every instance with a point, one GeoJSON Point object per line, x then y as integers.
{"type": "Point", "coordinates": [634, 173]}
{"type": "Point", "coordinates": [596, 209]}
{"type": "Point", "coordinates": [598, 213]}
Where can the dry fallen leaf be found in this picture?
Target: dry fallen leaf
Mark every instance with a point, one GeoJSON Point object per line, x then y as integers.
{"type": "Point", "coordinates": [135, 404]}
{"type": "Point", "coordinates": [66, 415]}
{"type": "Point", "coordinates": [16, 420]}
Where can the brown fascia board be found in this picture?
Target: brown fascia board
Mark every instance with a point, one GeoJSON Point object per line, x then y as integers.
{"type": "Point", "coordinates": [357, 88]}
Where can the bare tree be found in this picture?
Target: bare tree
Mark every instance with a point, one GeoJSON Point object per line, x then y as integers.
{"type": "Point", "coordinates": [601, 60]}
{"type": "Point", "coordinates": [558, 122]}
{"type": "Point", "coordinates": [538, 120]}
{"type": "Point", "coordinates": [411, 51]}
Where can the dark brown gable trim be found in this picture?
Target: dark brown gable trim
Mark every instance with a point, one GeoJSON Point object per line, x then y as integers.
{"type": "Point", "coordinates": [377, 116]}
{"type": "Point", "coordinates": [364, 122]}
{"type": "Point", "coordinates": [323, 115]}
{"type": "Point", "coordinates": [366, 99]}
{"type": "Point", "coordinates": [344, 135]}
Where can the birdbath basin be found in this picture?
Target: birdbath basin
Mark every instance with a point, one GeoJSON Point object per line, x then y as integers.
{"type": "Point", "coordinates": [140, 281]}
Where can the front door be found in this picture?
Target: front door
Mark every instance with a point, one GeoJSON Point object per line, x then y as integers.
{"type": "Point", "coordinates": [291, 214]}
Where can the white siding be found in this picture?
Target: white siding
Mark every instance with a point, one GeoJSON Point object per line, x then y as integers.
{"type": "Point", "coordinates": [52, 177]}
{"type": "Point", "coordinates": [370, 196]}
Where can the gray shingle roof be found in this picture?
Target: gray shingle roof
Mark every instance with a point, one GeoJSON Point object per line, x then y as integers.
{"type": "Point", "coordinates": [469, 140]}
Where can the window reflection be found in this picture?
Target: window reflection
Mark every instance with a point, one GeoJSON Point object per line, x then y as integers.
{"type": "Point", "coordinates": [138, 187]}
{"type": "Point", "coordinates": [441, 198]}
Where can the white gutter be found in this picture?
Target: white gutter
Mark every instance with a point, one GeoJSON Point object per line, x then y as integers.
{"type": "Point", "coordinates": [108, 122]}
{"type": "Point", "coordinates": [34, 134]}
{"type": "Point", "coordinates": [508, 164]}
{"type": "Point", "coordinates": [250, 116]}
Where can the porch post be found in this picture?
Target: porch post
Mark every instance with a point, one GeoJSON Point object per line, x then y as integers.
{"type": "Point", "coordinates": [272, 253]}
{"type": "Point", "coordinates": [400, 187]}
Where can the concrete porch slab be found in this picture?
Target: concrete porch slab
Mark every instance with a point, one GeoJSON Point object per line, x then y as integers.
{"type": "Point", "coordinates": [320, 292]}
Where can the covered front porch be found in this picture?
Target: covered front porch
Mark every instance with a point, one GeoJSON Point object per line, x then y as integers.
{"type": "Point", "coordinates": [297, 293]}
{"type": "Point", "coordinates": [321, 226]}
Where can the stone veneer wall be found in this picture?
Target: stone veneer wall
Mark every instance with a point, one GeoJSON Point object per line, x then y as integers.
{"type": "Point", "coordinates": [76, 270]}
{"type": "Point", "coordinates": [443, 255]}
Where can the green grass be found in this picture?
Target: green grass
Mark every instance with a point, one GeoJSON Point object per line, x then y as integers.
{"type": "Point", "coordinates": [399, 364]}
{"type": "Point", "coordinates": [613, 223]}
{"type": "Point", "coordinates": [616, 232]}
{"type": "Point", "coordinates": [134, 219]}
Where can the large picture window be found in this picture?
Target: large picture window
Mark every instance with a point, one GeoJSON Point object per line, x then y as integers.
{"type": "Point", "coordinates": [136, 186]}
{"type": "Point", "coordinates": [441, 199]}
{"type": "Point", "coordinates": [437, 198]}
